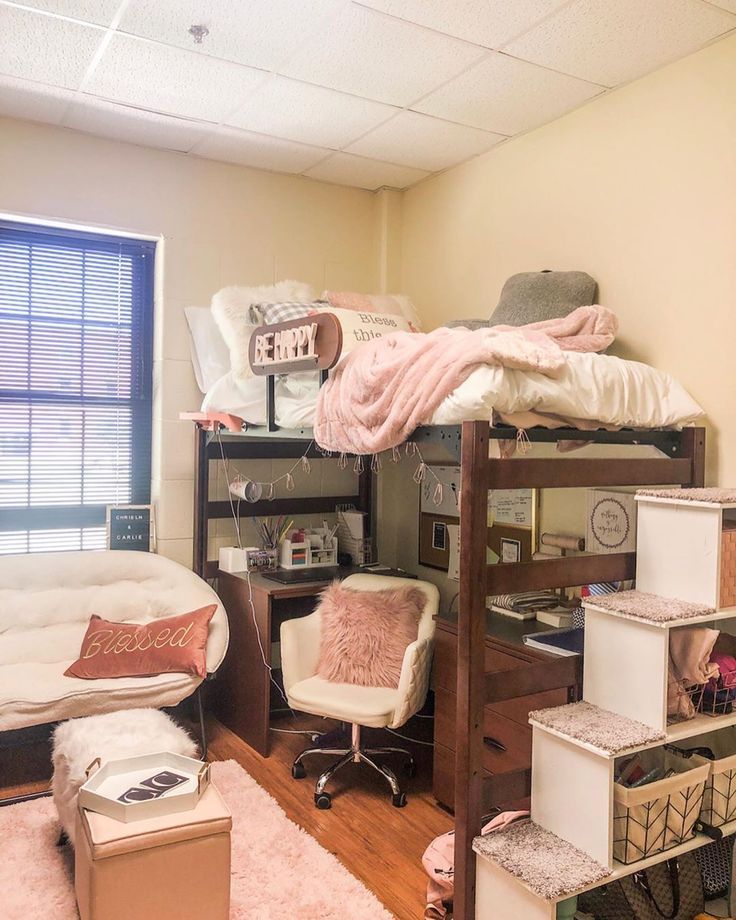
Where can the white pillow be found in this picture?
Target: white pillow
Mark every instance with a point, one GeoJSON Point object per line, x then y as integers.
{"type": "Point", "coordinates": [210, 356]}
{"type": "Point", "coordinates": [230, 308]}
{"type": "Point", "coordinates": [358, 328]}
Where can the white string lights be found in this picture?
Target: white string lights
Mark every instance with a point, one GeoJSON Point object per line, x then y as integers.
{"type": "Point", "coordinates": [252, 491]}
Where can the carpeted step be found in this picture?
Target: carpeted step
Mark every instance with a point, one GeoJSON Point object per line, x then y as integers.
{"type": "Point", "coordinates": [548, 865]}
{"type": "Point", "coordinates": [607, 733]}
{"type": "Point", "coordinates": [648, 608]}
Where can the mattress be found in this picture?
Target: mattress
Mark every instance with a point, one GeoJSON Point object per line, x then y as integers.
{"type": "Point", "coordinates": [592, 391]}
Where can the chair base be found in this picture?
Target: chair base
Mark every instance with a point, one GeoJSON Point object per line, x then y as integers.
{"type": "Point", "coordinates": [354, 754]}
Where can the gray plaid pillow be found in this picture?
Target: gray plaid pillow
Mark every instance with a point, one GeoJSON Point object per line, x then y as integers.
{"type": "Point", "coordinates": [270, 313]}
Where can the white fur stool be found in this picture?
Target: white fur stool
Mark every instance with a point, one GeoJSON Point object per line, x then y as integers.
{"type": "Point", "coordinates": [111, 736]}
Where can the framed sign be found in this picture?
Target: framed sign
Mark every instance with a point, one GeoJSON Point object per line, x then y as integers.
{"type": "Point", "coordinates": [311, 343]}
{"type": "Point", "coordinates": [131, 527]}
{"type": "Point", "coordinates": [611, 522]}
{"type": "Point", "coordinates": [513, 521]}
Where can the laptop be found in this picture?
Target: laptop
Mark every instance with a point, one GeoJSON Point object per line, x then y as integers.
{"type": "Point", "coordinates": [304, 576]}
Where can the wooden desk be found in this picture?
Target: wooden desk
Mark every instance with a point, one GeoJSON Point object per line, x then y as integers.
{"type": "Point", "coordinates": [505, 723]}
{"type": "Point", "coordinates": [242, 693]}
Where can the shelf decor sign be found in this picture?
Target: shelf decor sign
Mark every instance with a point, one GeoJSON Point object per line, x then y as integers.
{"type": "Point", "coordinates": [611, 522]}
{"type": "Point", "coordinates": [131, 527]}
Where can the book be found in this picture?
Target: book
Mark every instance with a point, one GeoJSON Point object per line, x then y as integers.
{"type": "Point", "coordinates": [557, 641]}
{"type": "Point", "coordinates": [514, 614]}
{"type": "Point", "coordinates": [559, 617]}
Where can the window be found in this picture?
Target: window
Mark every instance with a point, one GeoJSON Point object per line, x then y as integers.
{"type": "Point", "coordinates": [76, 335]}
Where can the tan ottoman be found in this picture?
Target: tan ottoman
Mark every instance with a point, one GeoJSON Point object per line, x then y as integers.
{"type": "Point", "coordinates": [172, 868]}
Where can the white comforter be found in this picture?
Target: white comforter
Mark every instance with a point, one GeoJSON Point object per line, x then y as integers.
{"type": "Point", "coordinates": [593, 391]}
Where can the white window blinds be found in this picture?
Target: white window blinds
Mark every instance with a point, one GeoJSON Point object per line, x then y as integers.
{"type": "Point", "coordinates": [76, 313]}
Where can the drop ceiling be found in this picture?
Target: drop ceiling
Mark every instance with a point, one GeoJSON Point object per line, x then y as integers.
{"type": "Point", "coordinates": [367, 94]}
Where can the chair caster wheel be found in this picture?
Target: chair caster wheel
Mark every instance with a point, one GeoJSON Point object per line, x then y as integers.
{"type": "Point", "coordinates": [298, 771]}
{"type": "Point", "coordinates": [323, 800]}
{"type": "Point", "coordinates": [398, 801]}
{"type": "Point", "coordinates": [410, 769]}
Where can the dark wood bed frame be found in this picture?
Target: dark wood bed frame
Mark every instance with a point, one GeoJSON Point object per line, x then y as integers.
{"type": "Point", "coordinates": [681, 462]}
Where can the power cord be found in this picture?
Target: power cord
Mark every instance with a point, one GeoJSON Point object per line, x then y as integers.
{"type": "Point", "coordinates": [413, 740]}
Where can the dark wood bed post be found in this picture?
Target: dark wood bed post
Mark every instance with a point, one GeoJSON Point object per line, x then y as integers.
{"type": "Point", "coordinates": [474, 485]}
{"type": "Point", "coordinates": [201, 475]}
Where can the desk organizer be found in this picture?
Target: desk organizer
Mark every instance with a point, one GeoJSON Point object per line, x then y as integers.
{"type": "Point", "coordinates": [686, 576]}
{"type": "Point", "coordinates": [316, 551]}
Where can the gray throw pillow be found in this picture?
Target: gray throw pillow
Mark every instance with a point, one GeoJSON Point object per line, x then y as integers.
{"type": "Point", "coordinates": [530, 297]}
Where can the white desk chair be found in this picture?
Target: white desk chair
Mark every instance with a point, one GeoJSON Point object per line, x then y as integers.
{"type": "Point", "coordinates": [374, 707]}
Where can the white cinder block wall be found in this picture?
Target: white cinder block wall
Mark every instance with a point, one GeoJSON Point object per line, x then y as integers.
{"type": "Point", "coordinates": [217, 225]}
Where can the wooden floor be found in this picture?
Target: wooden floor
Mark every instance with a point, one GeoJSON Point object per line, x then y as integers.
{"type": "Point", "coordinates": [378, 843]}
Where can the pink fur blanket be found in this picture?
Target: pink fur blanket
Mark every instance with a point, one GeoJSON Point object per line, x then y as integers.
{"type": "Point", "coordinates": [381, 392]}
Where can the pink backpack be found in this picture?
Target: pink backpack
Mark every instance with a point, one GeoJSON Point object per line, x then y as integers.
{"type": "Point", "coordinates": [439, 864]}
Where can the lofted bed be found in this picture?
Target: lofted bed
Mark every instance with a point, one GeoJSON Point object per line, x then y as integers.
{"type": "Point", "coordinates": [623, 403]}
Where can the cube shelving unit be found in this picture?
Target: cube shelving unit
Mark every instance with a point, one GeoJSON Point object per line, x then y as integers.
{"type": "Point", "coordinates": [683, 577]}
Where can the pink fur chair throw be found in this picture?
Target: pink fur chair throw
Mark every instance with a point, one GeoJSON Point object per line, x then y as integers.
{"type": "Point", "coordinates": [365, 634]}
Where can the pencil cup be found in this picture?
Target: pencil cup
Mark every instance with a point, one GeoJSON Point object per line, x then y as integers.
{"type": "Point", "coordinates": [247, 489]}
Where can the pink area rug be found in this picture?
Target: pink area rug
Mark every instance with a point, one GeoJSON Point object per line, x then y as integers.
{"type": "Point", "coordinates": [279, 872]}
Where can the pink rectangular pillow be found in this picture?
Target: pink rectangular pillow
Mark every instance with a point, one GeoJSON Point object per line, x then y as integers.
{"type": "Point", "coordinates": [177, 643]}
{"type": "Point", "coordinates": [364, 634]}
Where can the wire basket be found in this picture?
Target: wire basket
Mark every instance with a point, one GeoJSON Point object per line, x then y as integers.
{"type": "Point", "coordinates": [711, 699]}
{"type": "Point", "coordinates": [652, 818]}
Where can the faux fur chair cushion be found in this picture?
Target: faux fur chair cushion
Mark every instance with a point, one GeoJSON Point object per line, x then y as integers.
{"type": "Point", "coordinates": [112, 736]}
{"type": "Point", "coordinates": [231, 306]}
{"type": "Point", "coordinates": [365, 634]}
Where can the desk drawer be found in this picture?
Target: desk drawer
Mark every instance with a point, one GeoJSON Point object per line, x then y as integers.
{"type": "Point", "coordinates": [443, 778]}
{"type": "Point", "coordinates": [445, 660]}
{"type": "Point", "coordinates": [515, 738]}
{"type": "Point", "coordinates": [518, 709]}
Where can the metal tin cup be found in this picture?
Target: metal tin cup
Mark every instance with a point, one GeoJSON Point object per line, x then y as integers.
{"type": "Point", "coordinates": [247, 489]}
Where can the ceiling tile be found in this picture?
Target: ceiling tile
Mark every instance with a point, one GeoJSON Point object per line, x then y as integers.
{"type": "Point", "coordinates": [507, 96]}
{"type": "Point", "coordinates": [107, 119]}
{"type": "Point", "coordinates": [427, 143]}
{"type": "Point", "coordinates": [46, 49]}
{"type": "Point", "coordinates": [485, 22]}
{"type": "Point", "coordinates": [262, 33]}
{"type": "Point", "coordinates": [258, 150]}
{"type": "Point", "coordinates": [99, 12]}
{"type": "Point", "coordinates": [613, 42]}
{"type": "Point", "coordinates": [346, 169]}
{"type": "Point", "coordinates": [32, 101]}
{"type": "Point", "coordinates": [170, 80]}
{"type": "Point", "coordinates": [729, 5]}
{"type": "Point", "coordinates": [312, 114]}
{"type": "Point", "coordinates": [379, 57]}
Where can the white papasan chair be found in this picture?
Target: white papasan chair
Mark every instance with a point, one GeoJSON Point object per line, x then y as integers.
{"type": "Point", "coordinates": [46, 601]}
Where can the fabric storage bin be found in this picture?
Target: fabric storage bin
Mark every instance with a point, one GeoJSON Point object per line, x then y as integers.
{"type": "Point", "coordinates": [719, 796]}
{"type": "Point", "coordinates": [173, 867]}
{"type": "Point", "coordinates": [652, 818]}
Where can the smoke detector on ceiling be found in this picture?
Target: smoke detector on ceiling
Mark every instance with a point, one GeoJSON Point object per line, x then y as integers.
{"type": "Point", "coordinates": [198, 33]}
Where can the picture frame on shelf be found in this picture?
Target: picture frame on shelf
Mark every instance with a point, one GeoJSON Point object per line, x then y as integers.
{"type": "Point", "coordinates": [131, 527]}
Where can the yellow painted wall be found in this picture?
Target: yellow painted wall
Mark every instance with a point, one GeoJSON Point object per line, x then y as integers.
{"type": "Point", "coordinates": [219, 225]}
{"type": "Point", "coordinates": [639, 189]}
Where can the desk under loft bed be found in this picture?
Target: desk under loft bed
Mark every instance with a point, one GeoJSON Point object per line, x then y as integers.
{"type": "Point", "coordinates": [679, 461]}
{"type": "Point", "coordinates": [258, 443]}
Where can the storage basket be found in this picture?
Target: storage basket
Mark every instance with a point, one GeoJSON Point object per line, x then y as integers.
{"type": "Point", "coordinates": [652, 818]}
{"type": "Point", "coordinates": [719, 796]}
{"type": "Point", "coordinates": [717, 697]}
